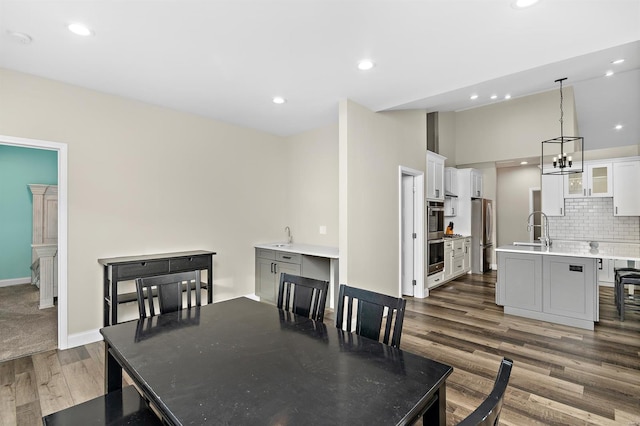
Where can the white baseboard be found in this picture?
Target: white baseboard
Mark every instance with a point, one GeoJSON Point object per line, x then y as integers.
{"type": "Point", "coordinates": [15, 281]}
{"type": "Point", "coordinates": [83, 338]}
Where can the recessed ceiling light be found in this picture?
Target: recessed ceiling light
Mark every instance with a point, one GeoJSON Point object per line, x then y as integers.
{"type": "Point", "coordinates": [507, 96]}
{"type": "Point", "coordinates": [619, 127]}
{"type": "Point", "coordinates": [473, 97]}
{"type": "Point", "coordinates": [522, 163]}
{"type": "Point", "coordinates": [618, 61]}
{"type": "Point", "coordinates": [279, 100]}
{"type": "Point", "coordinates": [365, 65]}
{"type": "Point", "coordinates": [80, 29]}
{"type": "Point", "coordinates": [494, 96]}
{"type": "Point", "coordinates": [521, 4]}
{"type": "Point", "coordinates": [609, 74]}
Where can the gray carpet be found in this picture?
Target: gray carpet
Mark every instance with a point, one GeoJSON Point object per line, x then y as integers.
{"type": "Point", "coordinates": [25, 329]}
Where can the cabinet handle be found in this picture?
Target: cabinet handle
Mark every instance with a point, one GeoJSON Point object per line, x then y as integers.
{"type": "Point", "coordinates": [453, 211]}
{"type": "Point", "coordinates": [584, 192]}
{"type": "Point", "coordinates": [437, 193]}
{"type": "Point", "coordinates": [560, 210]}
{"type": "Point", "coordinates": [143, 263]}
{"type": "Point", "coordinates": [286, 257]}
{"type": "Point", "coordinates": [589, 192]}
{"type": "Point", "coordinates": [616, 209]}
{"type": "Point", "coordinates": [275, 268]}
{"type": "Point", "coordinates": [600, 262]}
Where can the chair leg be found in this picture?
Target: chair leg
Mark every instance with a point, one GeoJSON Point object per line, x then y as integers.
{"type": "Point", "coordinates": [620, 289]}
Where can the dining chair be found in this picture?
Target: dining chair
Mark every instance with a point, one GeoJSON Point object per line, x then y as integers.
{"type": "Point", "coordinates": [303, 296]}
{"type": "Point", "coordinates": [168, 290]}
{"type": "Point", "coordinates": [369, 311]}
{"type": "Point", "coordinates": [625, 277]}
{"type": "Point", "coordinates": [488, 413]}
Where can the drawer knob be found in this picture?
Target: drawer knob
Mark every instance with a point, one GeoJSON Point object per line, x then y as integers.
{"type": "Point", "coordinates": [143, 263]}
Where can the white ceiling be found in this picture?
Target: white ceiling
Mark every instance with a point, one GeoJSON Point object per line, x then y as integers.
{"type": "Point", "coordinates": [226, 59]}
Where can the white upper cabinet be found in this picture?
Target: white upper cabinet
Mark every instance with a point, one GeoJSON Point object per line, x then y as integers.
{"type": "Point", "coordinates": [476, 183]}
{"type": "Point", "coordinates": [595, 181]}
{"type": "Point", "coordinates": [451, 181]}
{"type": "Point", "coordinates": [450, 191]}
{"type": "Point", "coordinates": [626, 180]}
{"type": "Point", "coordinates": [552, 195]}
{"type": "Point", "coordinates": [435, 176]}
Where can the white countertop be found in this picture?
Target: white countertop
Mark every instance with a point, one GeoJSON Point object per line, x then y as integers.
{"type": "Point", "coordinates": [605, 250]}
{"type": "Point", "coordinates": [307, 249]}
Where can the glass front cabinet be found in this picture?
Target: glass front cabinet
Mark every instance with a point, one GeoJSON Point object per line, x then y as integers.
{"type": "Point", "coordinates": [595, 181]}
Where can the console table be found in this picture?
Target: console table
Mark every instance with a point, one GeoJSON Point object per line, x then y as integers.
{"type": "Point", "coordinates": [117, 269]}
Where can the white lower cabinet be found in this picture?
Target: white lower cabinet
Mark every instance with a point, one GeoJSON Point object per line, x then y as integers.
{"type": "Point", "coordinates": [558, 289]}
{"type": "Point", "coordinates": [435, 280]}
{"type": "Point", "coordinates": [568, 287]}
{"type": "Point", "coordinates": [457, 258]}
{"type": "Point", "coordinates": [519, 282]}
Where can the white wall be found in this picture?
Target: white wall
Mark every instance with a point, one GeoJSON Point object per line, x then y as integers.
{"type": "Point", "coordinates": [512, 129]}
{"type": "Point", "coordinates": [372, 146]}
{"type": "Point", "coordinates": [311, 175]}
{"type": "Point", "coordinates": [144, 179]}
{"type": "Point", "coordinates": [512, 202]}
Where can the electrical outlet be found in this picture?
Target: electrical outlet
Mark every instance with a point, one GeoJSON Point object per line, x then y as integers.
{"type": "Point", "coordinates": [323, 230]}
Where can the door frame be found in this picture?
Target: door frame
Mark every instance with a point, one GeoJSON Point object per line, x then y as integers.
{"type": "Point", "coordinates": [418, 214]}
{"type": "Point", "coordinates": [61, 148]}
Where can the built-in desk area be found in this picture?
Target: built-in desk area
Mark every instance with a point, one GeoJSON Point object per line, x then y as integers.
{"type": "Point", "coordinates": [120, 269]}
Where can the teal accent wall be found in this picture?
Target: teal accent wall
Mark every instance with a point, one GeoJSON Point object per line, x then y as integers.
{"type": "Point", "coordinates": [18, 168]}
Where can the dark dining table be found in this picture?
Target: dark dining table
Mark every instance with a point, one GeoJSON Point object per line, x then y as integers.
{"type": "Point", "coordinates": [244, 362]}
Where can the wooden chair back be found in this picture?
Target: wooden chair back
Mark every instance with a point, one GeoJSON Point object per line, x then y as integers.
{"type": "Point", "coordinates": [168, 290]}
{"type": "Point", "coordinates": [369, 312]}
{"type": "Point", "coordinates": [303, 296]}
{"type": "Point", "coordinates": [488, 413]}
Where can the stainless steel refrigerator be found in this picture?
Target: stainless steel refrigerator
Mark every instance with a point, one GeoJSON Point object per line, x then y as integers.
{"type": "Point", "coordinates": [481, 230]}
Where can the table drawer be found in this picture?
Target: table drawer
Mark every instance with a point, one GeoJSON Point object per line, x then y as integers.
{"type": "Point", "coordinates": [189, 263]}
{"type": "Point", "coordinates": [143, 269]}
{"type": "Point", "coordinates": [284, 256]}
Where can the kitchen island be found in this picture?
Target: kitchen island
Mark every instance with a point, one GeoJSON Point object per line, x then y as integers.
{"type": "Point", "coordinates": [558, 284]}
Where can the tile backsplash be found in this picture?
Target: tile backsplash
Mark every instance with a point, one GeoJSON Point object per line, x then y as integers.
{"type": "Point", "coordinates": [593, 219]}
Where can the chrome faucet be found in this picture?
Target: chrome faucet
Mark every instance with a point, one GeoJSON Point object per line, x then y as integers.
{"type": "Point", "coordinates": [545, 238]}
{"type": "Point", "coordinates": [289, 237]}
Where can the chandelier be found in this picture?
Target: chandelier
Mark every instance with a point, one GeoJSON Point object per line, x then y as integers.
{"type": "Point", "coordinates": [554, 159]}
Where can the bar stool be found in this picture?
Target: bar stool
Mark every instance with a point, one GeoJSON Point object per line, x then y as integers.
{"type": "Point", "coordinates": [624, 277]}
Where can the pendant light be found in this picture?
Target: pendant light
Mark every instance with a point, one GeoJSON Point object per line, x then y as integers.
{"type": "Point", "coordinates": [554, 159]}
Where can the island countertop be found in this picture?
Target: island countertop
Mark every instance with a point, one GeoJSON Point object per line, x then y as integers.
{"type": "Point", "coordinates": [604, 250]}
{"type": "Point", "coordinates": [306, 249]}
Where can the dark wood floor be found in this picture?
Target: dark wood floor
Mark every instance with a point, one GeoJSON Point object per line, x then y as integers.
{"type": "Point", "coordinates": [561, 376]}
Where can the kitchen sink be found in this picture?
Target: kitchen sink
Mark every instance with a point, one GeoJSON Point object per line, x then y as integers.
{"type": "Point", "coordinates": [280, 245]}
{"type": "Point", "coordinates": [526, 243]}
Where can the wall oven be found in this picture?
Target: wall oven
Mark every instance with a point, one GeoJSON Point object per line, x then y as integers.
{"type": "Point", "coordinates": [435, 220]}
{"type": "Point", "coordinates": [435, 253]}
{"type": "Point", "coordinates": [435, 237]}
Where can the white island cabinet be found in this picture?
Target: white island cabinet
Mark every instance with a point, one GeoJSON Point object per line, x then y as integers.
{"type": "Point", "coordinates": [558, 284]}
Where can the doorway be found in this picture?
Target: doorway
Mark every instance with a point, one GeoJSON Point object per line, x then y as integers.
{"type": "Point", "coordinates": [62, 224]}
{"type": "Point", "coordinates": [411, 213]}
